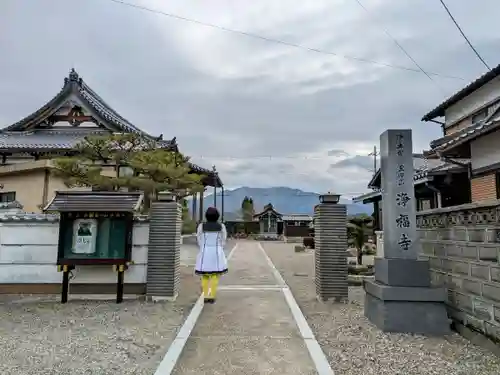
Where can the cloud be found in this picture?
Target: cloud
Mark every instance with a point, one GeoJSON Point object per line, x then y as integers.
{"type": "Point", "coordinates": [337, 153]}
{"type": "Point", "coordinates": [360, 161]}
{"type": "Point", "coordinates": [265, 114]}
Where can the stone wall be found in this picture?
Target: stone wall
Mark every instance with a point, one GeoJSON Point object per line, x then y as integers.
{"type": "Point", "coordinates": [462, 244]}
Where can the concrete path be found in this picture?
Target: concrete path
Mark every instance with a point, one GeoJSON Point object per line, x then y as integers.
{"type": "Point", "coordinates": [255, 327]}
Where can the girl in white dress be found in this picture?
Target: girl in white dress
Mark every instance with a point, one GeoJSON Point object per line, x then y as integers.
{"type": "Point", "coordinates": [211, 261]}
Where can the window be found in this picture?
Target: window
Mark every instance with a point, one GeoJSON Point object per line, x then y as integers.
{"type": "Point", "coordinates": [479, 116]}
{"type": "Point", "coordinates": [8, 197]}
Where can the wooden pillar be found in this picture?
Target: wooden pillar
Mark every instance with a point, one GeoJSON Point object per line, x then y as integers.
{"type": "Point", "coordinates": [439, 202]}
{"type": "Point", "coordinates": [222, 202]}
{"type": "Point", "coordinates": [376, 214]}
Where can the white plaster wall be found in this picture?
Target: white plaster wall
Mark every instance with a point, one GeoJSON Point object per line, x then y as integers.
{"type": "Point", "coordinates": [480, 97]}
{"type": "Point", "coordinates": [28, 254]}
{"type": "Point", "coordinates": [485, 150]}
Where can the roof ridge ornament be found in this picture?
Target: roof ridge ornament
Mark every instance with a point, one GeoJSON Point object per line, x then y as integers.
{"type": "Point", "coordinates": [73, 75]}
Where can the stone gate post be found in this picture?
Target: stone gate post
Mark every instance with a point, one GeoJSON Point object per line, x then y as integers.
{"type": "Point", "coordinates": [401, 298]}
{"type": "Point", "coordinates": [163, 270]}
{"type": "Point", "coordinates": [330, 234]}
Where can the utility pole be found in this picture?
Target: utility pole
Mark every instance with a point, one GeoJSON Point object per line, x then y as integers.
{"type": "Point", "coordinates": [374, 154]}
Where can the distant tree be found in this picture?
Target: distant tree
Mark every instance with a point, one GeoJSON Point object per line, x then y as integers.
{"type": "Point", "coordinates": [247, 209]}
{"type": "Point", "coordinates": [188, 224]}
{"type": "Point", "coordinates": [358, 228]}
{"type": "Point", "coordinates": [137, 165]}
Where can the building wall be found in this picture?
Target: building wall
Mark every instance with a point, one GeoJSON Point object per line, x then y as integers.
{"type": "Point", "coordinates": [56, 183]}
{"type": "Point", "coordinates": [32, 186]}
{"type": "Point", "coordinates": [483, 188]}
{"type": "Point", "coordinates": [28, 187]}
{"type": "Point", "coordinates": [486, 94]}
{"type": "Point", "coordinates": [485, 150]}
{"type": "Point", "coordinates": [462, 244]}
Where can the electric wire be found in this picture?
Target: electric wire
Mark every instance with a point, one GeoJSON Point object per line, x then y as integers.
{"type": "Point", "coordinates": [463, 34]}
{"type": "Point", "coordinates": [278, 41]}
{"type": "Point", "coordinates": [396, 42]}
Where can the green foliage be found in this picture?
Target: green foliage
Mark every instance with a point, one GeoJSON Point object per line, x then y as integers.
{"type": "Point", "coordinates": [148, 168]}
{"type": "Point", "coordinates": [188, 226]}
{"type": "Point", "coordinates": [358, 228]}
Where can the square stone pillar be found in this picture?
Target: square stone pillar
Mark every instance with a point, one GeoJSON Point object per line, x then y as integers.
{"type": "Point", "coordinates": [330, 234]}
{"type": "Point", "coordinates": [401, 298]}
{"type": "Point", "coordinates": [163, 270]}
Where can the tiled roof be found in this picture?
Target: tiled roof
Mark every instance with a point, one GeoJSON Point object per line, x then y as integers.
{"type": "Point", "coordinates": [466, 91]}
{"type": "Point", "coordinates": [44, 139]}
{"type": "Point", "coordinates": [297, 217]}
{"type": "Point", "coordinates": [17, 136]}
{"type": "Point", "coordinates": [465, 135]}
{"type": "Point", "coordinates": [35, 217]}
{"type": "Point", "coordinates": [74, 84]}
{"type": "Point", "coordinates": [94, 201]}
{"type": "Point", "coordinates": [422, 168]}
{"type": "Point", "coordinates": [268, 208]}
{"type": "Point", "coordinates": [10, 205]}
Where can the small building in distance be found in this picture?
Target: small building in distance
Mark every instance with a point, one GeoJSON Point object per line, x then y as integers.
{"type": "Point", "coordinates": [75, 112]}
{"type": "Point", "coordinates": [269, 223]}
{"type": "Point", "coordinates": [273, 224]}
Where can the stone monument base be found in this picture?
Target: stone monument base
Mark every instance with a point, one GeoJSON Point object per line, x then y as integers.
{"type": "Point", "coordinates": [417, 310]}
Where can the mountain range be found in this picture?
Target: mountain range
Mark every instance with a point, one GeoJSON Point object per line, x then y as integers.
{"type": "Point", "coordinates": [284, 200]}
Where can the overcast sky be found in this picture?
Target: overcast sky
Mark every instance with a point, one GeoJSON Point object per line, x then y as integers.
{"type": "Point", "coordinates": [265, 114]}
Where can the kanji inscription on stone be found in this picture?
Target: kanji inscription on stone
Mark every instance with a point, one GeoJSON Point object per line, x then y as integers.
{"type": "Point", "coordinates": [403, 221]}
{"type": "Point", "coordinates": [402, 199]}
{"type": "Point", "coordinates": [400, 175]}
{"type": "Point", "coordinates": [398, 198]}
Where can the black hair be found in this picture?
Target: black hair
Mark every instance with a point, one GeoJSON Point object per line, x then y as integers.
{"type": "Point", "coordinates": [212, 215]}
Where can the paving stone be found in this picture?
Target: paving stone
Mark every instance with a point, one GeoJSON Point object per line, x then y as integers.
{"type": "Point", "coordinates": [245, 356]}
{"type": "Point", "coordinates": [247, 313]}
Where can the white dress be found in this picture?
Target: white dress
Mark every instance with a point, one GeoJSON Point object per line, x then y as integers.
{"type": "Point", "coordinates": [211, 258]}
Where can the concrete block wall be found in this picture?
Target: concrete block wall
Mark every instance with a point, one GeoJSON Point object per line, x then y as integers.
{"type": "Point", "coordinates": [462, 244]}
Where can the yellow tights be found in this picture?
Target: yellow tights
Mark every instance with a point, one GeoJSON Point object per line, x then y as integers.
{"type": "Point", "coordinates": [209, 282]}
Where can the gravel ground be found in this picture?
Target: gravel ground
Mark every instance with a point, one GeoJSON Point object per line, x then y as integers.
{"type": "Point", "coordinates": [40, 336]}
{"type": "Point", "coordinates": [356, 347]}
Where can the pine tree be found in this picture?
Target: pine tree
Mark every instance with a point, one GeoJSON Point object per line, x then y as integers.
{"type": "Point", "coordinates": [137, 163]}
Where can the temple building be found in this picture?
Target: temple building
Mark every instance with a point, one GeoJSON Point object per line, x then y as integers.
{"type": "Point", "coordinates": [273, 224]}
{"type": "Point", "coordinates": [28, 146]}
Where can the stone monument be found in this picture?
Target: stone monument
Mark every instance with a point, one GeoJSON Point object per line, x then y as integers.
{"type": "Point", "coordinates": [401, 298]}
{"type": "Point", "coordinates": [163, 272]}
{"type": "Point", "coordinates": [330, 235]}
